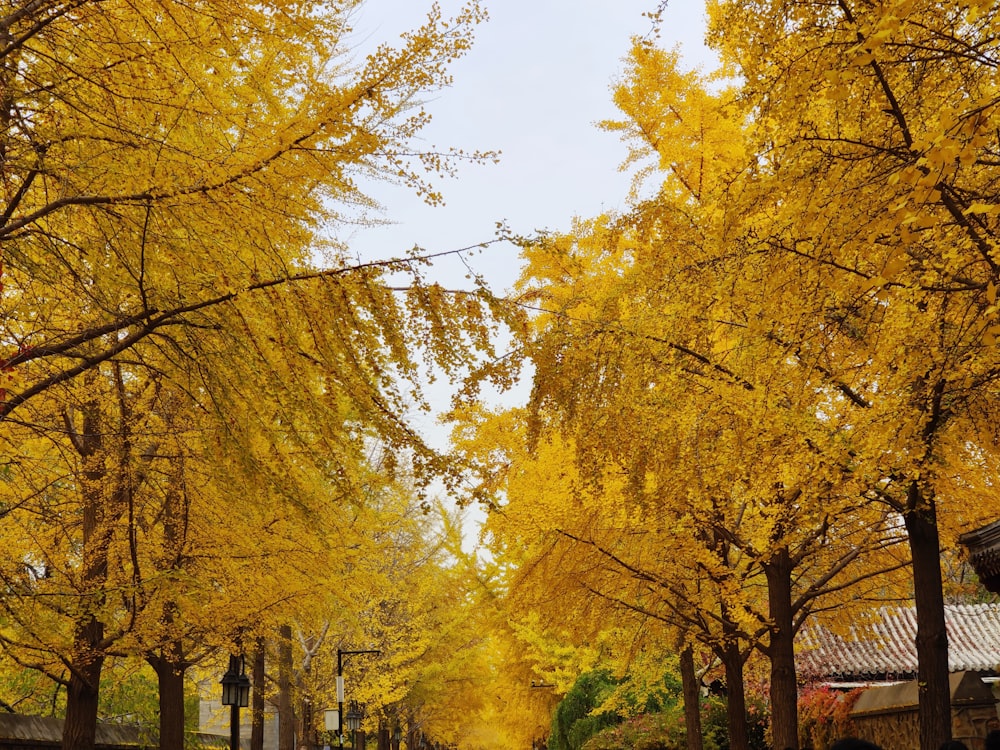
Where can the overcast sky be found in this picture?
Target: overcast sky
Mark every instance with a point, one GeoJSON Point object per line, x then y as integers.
{"type": "Point", "coordinates": [534, 85]}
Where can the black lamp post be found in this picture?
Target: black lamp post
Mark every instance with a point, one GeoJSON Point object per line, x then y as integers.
{"type": "Point", "coordinates": [236, 695]}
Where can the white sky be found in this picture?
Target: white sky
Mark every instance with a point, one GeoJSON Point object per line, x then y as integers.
{"type": "Point", "coordinates": [534, 85]}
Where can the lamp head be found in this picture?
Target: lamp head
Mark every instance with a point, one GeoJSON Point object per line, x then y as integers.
{"type": "Point", "coordinates": [354, 716]}
{"type": "Point", "coordinates": [236, 684]}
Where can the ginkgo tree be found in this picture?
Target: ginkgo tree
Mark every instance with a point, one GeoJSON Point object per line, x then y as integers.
{"type": "Point", "coordinates": [160, 160]}
{"type": "Point", "coordinates": [707, 564]}
{"type": "Point", "coordinates": [449, 671]}
{"type": "Point", "coordinates": [853, 243]}
{"type": "Point", "coordinates": [161, 568]}
{"type": "Point", "coordinates": [635, 343]}
{"type": "Point", "coordinates": [766, 280]}
{"type": "Point", "coordinates": [171, 175]}
{"type": "Point", "coordinates": [876, 131]}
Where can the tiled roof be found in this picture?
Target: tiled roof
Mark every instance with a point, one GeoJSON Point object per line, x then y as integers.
{"type": "Point", "coordinates": [885, 647]}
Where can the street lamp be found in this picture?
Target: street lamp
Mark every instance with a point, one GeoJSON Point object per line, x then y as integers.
{"type": "Point", "coordinates": [236, 695]}
{"type": "Point", "coordinates": [354, 717]}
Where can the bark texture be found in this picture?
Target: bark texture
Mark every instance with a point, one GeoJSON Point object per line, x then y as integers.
{"type": "Point", "coordinates": [692, 700]}
{"type": "Point", "coordinates": [932, 638]}
{"type": "Point", "coordinates": [781, 652]}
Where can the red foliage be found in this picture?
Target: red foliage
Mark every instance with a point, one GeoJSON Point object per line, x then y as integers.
{"type": "Point", "coordinates": [824, 714]}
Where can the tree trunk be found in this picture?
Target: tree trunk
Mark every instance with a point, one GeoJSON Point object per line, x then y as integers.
{"type": "Point", "coordinates": [98, 506]}
{"type": "Point", "coordinates": [736, 702]}
{"type": "Point", "coordinates": [933, 691]}
{"type": "Point", "coordinates": [286, 717]}
{"type": "Point", "coordinates": [170, 680]}
{"type": "Point", "coordinates": [781, 652]}
{"type": "Point", "coordinates": [257, 709]}
{"type": "Point", "coordinates": [170, 664]}
{"type": "Point", "coordinates": [692, 700]}
{"type": "Point", "coordinates": [307, 728]}
{"type": "Point", "coordinates": [80, 727]}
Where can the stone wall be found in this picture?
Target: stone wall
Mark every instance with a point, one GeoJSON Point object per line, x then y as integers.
{"type": "Point", "coordinates": [887, 716]}
{"type": "Point", "coordinates": [42, 732]}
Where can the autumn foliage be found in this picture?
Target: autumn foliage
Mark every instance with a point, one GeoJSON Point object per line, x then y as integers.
{"type": "Point", "coordinates": [205, 398]}
{"type": "Point", "coordinates": [766, 392]}
{"type": "Point", "coordinates": [769, 389]}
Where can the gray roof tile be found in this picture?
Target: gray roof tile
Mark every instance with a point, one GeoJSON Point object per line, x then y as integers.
{"type": "Point", "coordinates": [885, 646]}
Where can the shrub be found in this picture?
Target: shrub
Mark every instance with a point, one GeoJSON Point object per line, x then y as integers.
{"type": "Point", "coordinates": [824, 714]}
{"type": "Point", "coordinates": [650, 731]}
{"type": "Point", "coordinates": [573, 722]}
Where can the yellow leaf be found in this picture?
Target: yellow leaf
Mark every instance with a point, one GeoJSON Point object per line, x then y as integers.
{"type": "Point", "coordinates": [896, 264]}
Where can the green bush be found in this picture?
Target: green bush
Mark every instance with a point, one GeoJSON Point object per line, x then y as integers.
{"type": "Point", "coordinates": [573, 722]}
{"type": "Point", "coordinates": [650, 731]}
{"type": "Point", "coordinates": [651, 716]}
{"type": "Point", "coordinates": [664, 730]}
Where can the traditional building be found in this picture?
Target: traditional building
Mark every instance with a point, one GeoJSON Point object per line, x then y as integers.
{"type": "Point", "coordinates": [883, 648]}
{"type": "Point", "coordinates": [880, 654]}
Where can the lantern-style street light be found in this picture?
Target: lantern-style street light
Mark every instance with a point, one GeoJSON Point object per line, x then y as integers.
{"type": "Point", "coordinates": [236, 695]}
{"type": "Point", "coordinates": [353, 718]}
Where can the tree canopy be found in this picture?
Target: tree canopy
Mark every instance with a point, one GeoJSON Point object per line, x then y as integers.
{"type": "Point", "coordinates": [765, 390]}
{"type": "Point", "coordinates": [788, 343]}
{"type": "Point", "coordinates": [196, 374]}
